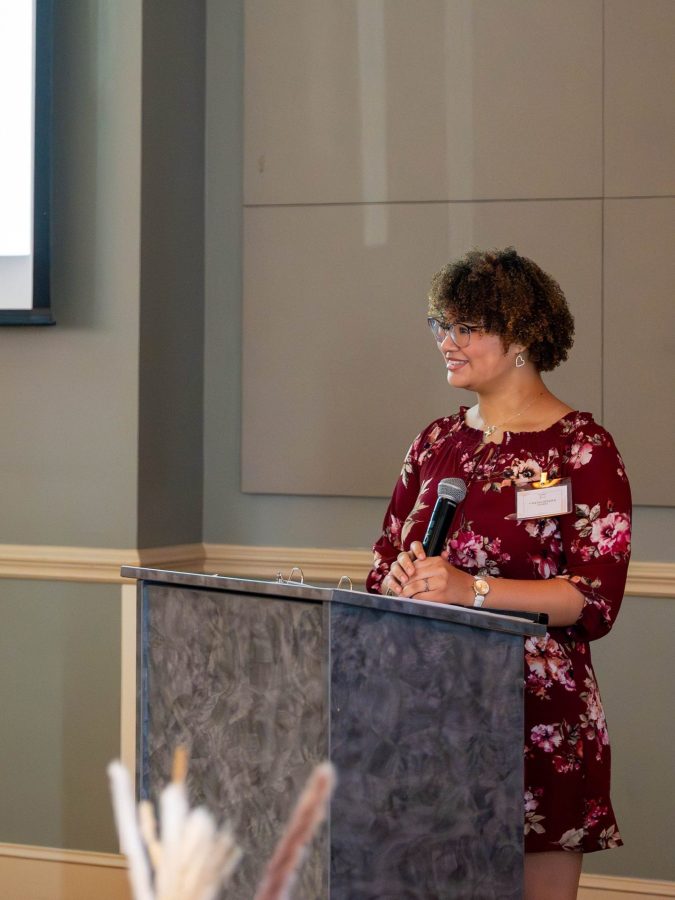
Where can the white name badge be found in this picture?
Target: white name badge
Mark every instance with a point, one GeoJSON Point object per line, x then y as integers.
{"type": "Point", "coordinates": [540, 502]}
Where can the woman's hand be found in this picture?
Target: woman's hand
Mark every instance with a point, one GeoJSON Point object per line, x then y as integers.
{"type": "Point", "coordinates": [414, 574]}
{"type": "Point", "coordinates": [402, 569]}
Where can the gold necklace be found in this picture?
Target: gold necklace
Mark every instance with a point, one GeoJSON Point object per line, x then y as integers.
{"type": "Point", "coordinates": [490, 430]}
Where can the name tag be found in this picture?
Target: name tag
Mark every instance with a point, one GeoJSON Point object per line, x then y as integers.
{"type": "Point", "coordinates": [533, 502]}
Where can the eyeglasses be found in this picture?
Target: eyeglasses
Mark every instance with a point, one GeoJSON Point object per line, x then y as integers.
{"type": "Point", "coordinates": [458, 331]}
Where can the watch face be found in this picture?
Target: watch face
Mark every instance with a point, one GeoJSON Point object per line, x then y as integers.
{"type": "Point", "coordinates": [481, 586]}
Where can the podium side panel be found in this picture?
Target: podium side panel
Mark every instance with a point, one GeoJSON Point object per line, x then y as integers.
{"type": "Point", "coordinates": [242, 680]}
{"type": "Point", "coordinates": [427, 738]}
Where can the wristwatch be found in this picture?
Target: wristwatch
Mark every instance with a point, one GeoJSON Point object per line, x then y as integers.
{"type": "Point", "coordinates": [481, 589]}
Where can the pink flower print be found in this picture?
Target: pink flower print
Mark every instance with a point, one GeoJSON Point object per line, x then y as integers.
{"type": "Point", "coordinates": [563, 765]}
{"type": "Point", "coordinates": [468, 550]}
{"type": "Point", "coordinates": [407, 469]}
{"type": "Point", "coordinates": [580, 454]}
{"type": "Point", "coordinates": [414, 514]}
{"type": "Point", "coordinates": [612, 534]}
{"type": "Point", "coordinates": [609, 838]}
{"type": "Point", "coordinates": [380, 569]}
{"type": "Point", "coordinates": [523, 472]}
{"type": "Point", "coordinates": [541, 529]}
{"type": "Point", "coordinates": [530, 803]}
{"type": "Point", "coordinates": [544, 566]}
{"type": "Point", "coordinates": [537, 685]}
{"type": "Point", "coordinates": [546, 737]}
{"type": "Point", "coordinates": [571, 753]}
{"type": "Point", "coordinates": [532, 819]}
{"type": "Point", "coordinates": [593, 812]}
{"type": "Point", "coordinates": [430, 442]}
{"type": "Point", "coordinates": [494, 548]}
{"type": "Point", "coordinates": [593, 722]}
{"type": "Point", "coordinates": [571, 839]}
{"type": "Point", "coordinates": [546, 659]}
{"type": "Point", "coordinates": [586, 552]}
{"type": "Point", "coordinates": [393, 531]}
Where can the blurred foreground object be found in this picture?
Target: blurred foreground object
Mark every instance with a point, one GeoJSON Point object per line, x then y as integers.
{"type": "Point", "coordinates": [188, 857]}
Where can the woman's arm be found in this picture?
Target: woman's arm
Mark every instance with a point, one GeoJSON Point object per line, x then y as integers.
{"type": "Point", "coordinates": [557, 596]}
{"type": "Point", "coordinates": [587, 593]}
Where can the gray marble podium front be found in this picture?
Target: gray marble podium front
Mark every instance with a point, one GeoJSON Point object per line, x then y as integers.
{"type": "Point", "coordinates": [419, 707]}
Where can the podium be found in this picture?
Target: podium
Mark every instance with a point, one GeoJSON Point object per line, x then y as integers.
{"type": "Point", "coordinates": [418, 705]}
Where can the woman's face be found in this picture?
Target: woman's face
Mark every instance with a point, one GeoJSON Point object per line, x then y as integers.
{"type": "Point", "coordinates": [481, 366]}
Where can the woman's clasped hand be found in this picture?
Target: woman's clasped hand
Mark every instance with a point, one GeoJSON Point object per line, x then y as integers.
{"type": "Point", "coordinates": [414, 575]}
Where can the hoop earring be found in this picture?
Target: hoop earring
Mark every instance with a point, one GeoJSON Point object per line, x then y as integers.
{"type": "Point", "coordinates": [520, 361]}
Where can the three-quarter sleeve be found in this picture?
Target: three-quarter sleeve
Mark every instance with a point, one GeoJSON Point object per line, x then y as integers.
{"type": "Point", "coordinates": [392, 539]}
{"type": "Point", "coordinates": [596, 534]}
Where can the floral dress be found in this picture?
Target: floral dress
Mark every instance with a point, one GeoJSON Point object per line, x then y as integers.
{"type": "Point", "coordinates": [567, 753]}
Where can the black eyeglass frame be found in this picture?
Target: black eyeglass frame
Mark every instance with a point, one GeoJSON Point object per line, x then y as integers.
{"type": "Point", "coordinates": [450, 328]}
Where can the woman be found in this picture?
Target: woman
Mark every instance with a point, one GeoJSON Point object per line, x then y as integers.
{"type": "Point", "coordinates": [499, 322]}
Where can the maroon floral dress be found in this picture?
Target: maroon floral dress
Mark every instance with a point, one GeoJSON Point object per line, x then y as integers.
{"type": "Point", "coordinates": [567, 753]}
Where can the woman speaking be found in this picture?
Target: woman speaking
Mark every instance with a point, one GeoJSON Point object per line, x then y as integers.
{"type": "Point", "coordinates": [544, 527]}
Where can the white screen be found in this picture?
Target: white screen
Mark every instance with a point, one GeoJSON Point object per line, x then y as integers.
{"type": "Point", "coordinates": [17, 79]}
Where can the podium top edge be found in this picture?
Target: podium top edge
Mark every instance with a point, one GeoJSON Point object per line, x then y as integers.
{"type": "Point", "coordinates": [291, 590]}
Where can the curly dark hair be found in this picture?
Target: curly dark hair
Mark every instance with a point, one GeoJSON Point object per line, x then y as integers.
{"type": "Point", "coordinates": [508, 295]}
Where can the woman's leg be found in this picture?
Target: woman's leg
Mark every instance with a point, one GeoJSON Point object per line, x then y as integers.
{"type": "Point", "coordinates": [552, 876]}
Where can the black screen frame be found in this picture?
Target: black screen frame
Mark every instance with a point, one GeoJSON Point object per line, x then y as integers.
{"type": "Point", "coordinates": [41, 312]}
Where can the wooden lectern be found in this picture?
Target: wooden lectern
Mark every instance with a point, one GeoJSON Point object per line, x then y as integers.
{"type": "Point", "coordinates": [418, 705]}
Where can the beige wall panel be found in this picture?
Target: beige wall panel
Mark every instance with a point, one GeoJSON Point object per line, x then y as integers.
{"type": "Point", "coordinates": [391, 100]}
{"type": "Point", "coordinates": [639, 108]}
{"type": "Point", "coordinates": [339, 370]}
{"type": "Point", "coordinates": [639, 355]}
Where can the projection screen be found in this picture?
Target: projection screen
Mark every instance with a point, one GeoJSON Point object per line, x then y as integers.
{"type": "Point", "coordinates": [25, 113]}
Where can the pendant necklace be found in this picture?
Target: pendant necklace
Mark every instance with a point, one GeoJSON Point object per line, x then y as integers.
{"type": "Point", "coordinates": [490, 430]}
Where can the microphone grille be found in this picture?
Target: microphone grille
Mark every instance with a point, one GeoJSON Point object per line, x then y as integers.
{"type": "Point", "coordinates": [453, 489]}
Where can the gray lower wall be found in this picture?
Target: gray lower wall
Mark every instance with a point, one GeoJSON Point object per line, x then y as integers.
{"type": "Point", "coordinates": [635, 666]}
{"type": "Point", "coordinates": [60, 712]}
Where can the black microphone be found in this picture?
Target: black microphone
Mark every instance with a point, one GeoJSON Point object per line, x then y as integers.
{"type": "Point", "coordinates": [451, 492]}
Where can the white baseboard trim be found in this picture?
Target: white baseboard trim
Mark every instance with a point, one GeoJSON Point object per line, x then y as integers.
{"type": "Point", "coordinates": [610, 887]}
{"type": "Point", "coordinates": [99, 564]}
{"type": "Point", "coordinates": [81, 875]}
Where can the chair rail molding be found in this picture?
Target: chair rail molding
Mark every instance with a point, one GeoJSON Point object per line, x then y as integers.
{"type": "Point", "coordinates": [95, 564]}
{"type": "Point", "coordinates": [102, 564]}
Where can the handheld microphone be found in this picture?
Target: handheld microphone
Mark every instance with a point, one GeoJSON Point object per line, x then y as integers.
{"type": "Point", "coordinates": [451, 492]}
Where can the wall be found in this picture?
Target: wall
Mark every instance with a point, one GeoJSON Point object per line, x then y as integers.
{"type": "Point", "coordinates": [70, 389]}
{"type": "Point", "coordinates": [59, 665]}
{"type": "Point", "coordinates": [101, 445]}
{"type": "Point", "coordinates": [525, 123]}
{"type": "Point", "coordinates": [68, 444]}
{"type": "Point", "coordinates": [172, 275]}
{"type": "Point", "coordinates": [94, 458]}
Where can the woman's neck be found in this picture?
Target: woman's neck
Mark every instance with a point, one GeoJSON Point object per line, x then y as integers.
{"type": "Point", "coordinates": [497, 406]}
